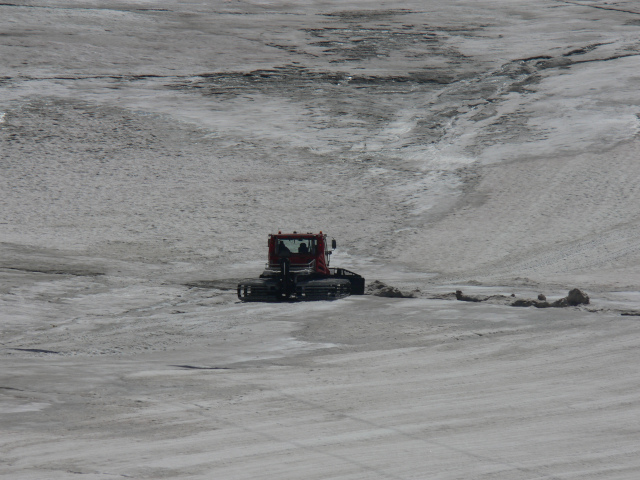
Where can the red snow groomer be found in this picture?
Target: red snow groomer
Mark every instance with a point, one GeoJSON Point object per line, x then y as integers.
{"type": "Point", "coordinates": [298, 269]}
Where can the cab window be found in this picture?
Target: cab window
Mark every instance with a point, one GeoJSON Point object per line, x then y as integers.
{"type": "Point", "coordinates": [295, 246]}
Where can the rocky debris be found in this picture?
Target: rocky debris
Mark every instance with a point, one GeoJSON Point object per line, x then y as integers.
{"type": "Point", "coordinates": [494, 299]}
{"type": "Point", "coordinates": [574, 297]}
{"type": "Point", "coordinates": [560, 303]}
{"type": "Point", "coordinates": [381, 289]}
{"type": "Point", "coordinates": [441, 296]}
{"type": "Point", "coordinates": [468, 298]}
{"type": "Point", "coordinates": [523, 302]}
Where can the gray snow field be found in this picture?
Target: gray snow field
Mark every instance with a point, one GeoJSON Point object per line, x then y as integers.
{"type": "Point", "coordinates": [147, 149]}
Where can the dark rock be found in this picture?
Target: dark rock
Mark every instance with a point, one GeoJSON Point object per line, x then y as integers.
{"type": "Point", "coordinates": [468, 298]}
{"type": "Point", "coordinates": [521, 302]}
{"type": "Point", "coordinates": [561, 303]}
{"type": "Point", "coordinates": [577, 297]}
{"type": "Point", "coordinates": [542, 298]}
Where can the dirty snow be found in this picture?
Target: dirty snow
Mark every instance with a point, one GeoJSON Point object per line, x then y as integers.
{"type": "Point", "coordinates": [148, 149]}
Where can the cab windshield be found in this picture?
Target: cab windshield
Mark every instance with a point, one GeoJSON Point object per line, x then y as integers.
{"type": "Point", "coordinates": [295, 245]}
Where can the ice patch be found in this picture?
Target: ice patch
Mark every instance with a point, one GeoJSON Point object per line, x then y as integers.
{"type": "Point", "coordinates": [2, 114]}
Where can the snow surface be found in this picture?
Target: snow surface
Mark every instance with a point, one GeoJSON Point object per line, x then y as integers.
{"type": "Point", "coordinates": [149, 148]}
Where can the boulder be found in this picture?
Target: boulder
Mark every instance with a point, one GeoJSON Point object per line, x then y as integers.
{"type": "Point", "coordinates": [577, 297]}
